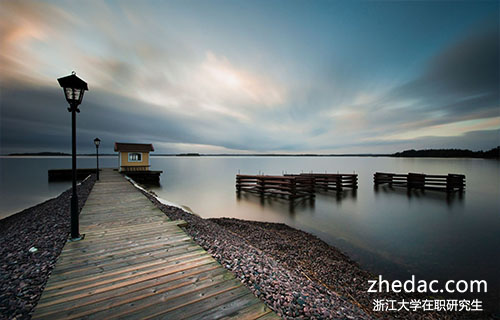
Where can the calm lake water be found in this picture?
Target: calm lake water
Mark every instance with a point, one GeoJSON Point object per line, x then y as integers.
{"type": "Point", "coordinates": [387, 231]}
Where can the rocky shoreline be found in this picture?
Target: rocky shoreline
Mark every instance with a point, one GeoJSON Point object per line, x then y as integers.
{"type": "Point", "coordinates": [30, 242]}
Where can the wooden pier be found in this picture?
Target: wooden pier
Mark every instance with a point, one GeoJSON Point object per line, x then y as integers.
{"type": "Point", "coordinates": [448, 183]}
{"type": "Point", "coordinates": [134, 263]}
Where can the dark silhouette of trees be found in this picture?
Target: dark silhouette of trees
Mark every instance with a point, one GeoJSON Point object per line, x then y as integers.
{"type": "Point", "coordinates": [450, 153]}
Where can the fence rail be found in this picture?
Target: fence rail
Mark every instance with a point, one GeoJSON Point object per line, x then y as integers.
{"type": "Point", "coordinates": [332, 181]}
{"type": "Point", "coordinates": [448, 183]}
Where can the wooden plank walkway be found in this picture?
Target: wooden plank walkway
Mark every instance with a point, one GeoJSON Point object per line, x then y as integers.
{"type": "Point", "coordinates": [135, 263]}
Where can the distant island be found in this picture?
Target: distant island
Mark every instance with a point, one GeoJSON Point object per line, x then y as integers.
{"type": "Point", "coordinates": [57, 154]}
{"type": "Point", "coordinates": [192, 154]}
{"type": "Point", "coordinates": [450, 153]}
{"type": "Point", "coordinates": [40, 154]}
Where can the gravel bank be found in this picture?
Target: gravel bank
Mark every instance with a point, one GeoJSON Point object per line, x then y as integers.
{"type": "Point", "coordinates": [23, 274]}
{"type": "Point", "coordinates": [320, 262]}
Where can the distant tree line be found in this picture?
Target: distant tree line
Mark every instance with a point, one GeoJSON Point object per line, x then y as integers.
{"type": "Point", "coordinates": [40, 154]}
{"type": "Point", "coordinates": [450, 153]}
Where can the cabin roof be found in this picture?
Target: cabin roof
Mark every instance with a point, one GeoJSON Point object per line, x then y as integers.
{"type": "Point", "coordinates": [134, 147]}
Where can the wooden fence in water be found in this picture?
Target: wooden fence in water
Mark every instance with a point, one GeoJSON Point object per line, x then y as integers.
{"type": "Point", "coordinates": [295, 186]}
{"type": "Point", "coordinates": [448, 183]}
{"type": "Point", "coordinates": [291, 186]}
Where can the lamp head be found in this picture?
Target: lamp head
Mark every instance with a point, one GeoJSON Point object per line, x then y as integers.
{"type": "Point", "coordinates": [73, 88]}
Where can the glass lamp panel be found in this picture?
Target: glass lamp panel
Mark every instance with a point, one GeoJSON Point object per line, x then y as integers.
{"type": "Point", "coordinates": [74, 95]}
{"type": "Point", "coordinates": [79, 94]}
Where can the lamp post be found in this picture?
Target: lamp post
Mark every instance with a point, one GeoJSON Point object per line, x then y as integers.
{"type": "Point", "coordinates": [97, 142]}
{"type": "Point", "coordinates": [73, 88]}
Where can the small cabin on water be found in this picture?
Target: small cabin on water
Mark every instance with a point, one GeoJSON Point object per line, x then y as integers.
{"type": "Point", "coordinates": [134, 156]}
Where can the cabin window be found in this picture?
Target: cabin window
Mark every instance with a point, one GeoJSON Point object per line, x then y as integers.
{"type": "Point", "coordinates": [135, 157]}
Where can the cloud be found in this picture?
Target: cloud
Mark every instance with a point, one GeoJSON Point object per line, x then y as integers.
{"type": "Point", "coordinates": [459, 82]}
{"type": "Point", "coordinates": [36, 118]}
{"type": "Point", "coordinates": [172, 84]}
{"type": "Point", "coordinates": [24, 24]}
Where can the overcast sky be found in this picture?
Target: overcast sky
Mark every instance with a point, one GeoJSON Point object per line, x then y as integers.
{"type": "Point", "coordinates": [252, 76]}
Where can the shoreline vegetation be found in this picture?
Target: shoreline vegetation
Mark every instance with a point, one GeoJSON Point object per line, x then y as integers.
{"type": "Point", "coordinates": [493, 153]}
{"type": "Point", "coordinates": [295, 273]}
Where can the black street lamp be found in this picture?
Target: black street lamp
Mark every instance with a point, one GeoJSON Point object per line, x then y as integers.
{"type": "Point", "coordinates": [97, 142]}
{"type": "Point", "coordinates": [73, 88]}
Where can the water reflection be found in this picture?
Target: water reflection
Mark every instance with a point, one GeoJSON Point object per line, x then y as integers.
{"type": "Point", "coordinates": [340, 195]}
{"type": "Point", "coordinates": [274, 202]}
{"type": "Point", "coordinates": [449, 197]}
{"type": "Point", "coordinates": [291, 205]}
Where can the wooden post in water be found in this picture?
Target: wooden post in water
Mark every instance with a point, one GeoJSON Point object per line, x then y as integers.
{"type": "Point", "coordinates": [238, 183]}
{"type": "Point", "coordinates": [338, 182]}
{"type": "Point", "coordinates": [293, 188]}
{"type": "Point", "coordinates": [454, 181]}
{"type": "Point", "coordinates": [410, 181]}
{"type": "Point", "coordinates": [416, 180]}
{"type": "Point", "coordinates": [260, 186]}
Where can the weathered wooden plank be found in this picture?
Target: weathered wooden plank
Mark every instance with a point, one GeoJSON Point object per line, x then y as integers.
{"type": "Point", "coordinates": [89, 281]}
{"type": "Point", "coordinates": [139, 281]}
{"type": "Point", "coordinates": [125, 259]}
{"type": "Point", "coordinates": [138, 226]}
{"type": "Point", "coordinates": [202, 304]}
{"type": "Point", "coordinates": [233, 309]}
{"type": "Point", "coordinates": [160, 305]}
{"type": "Point", "coordinates": [86, 251]}
{"type": "Point", "coordinates": [110, 254]}
{"type": "Point", "coordinates": [120, 264]}
{"type": "Point", "coordinates": [251, 312]}
{"type": "Point", "coordinates": [111, 299]}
